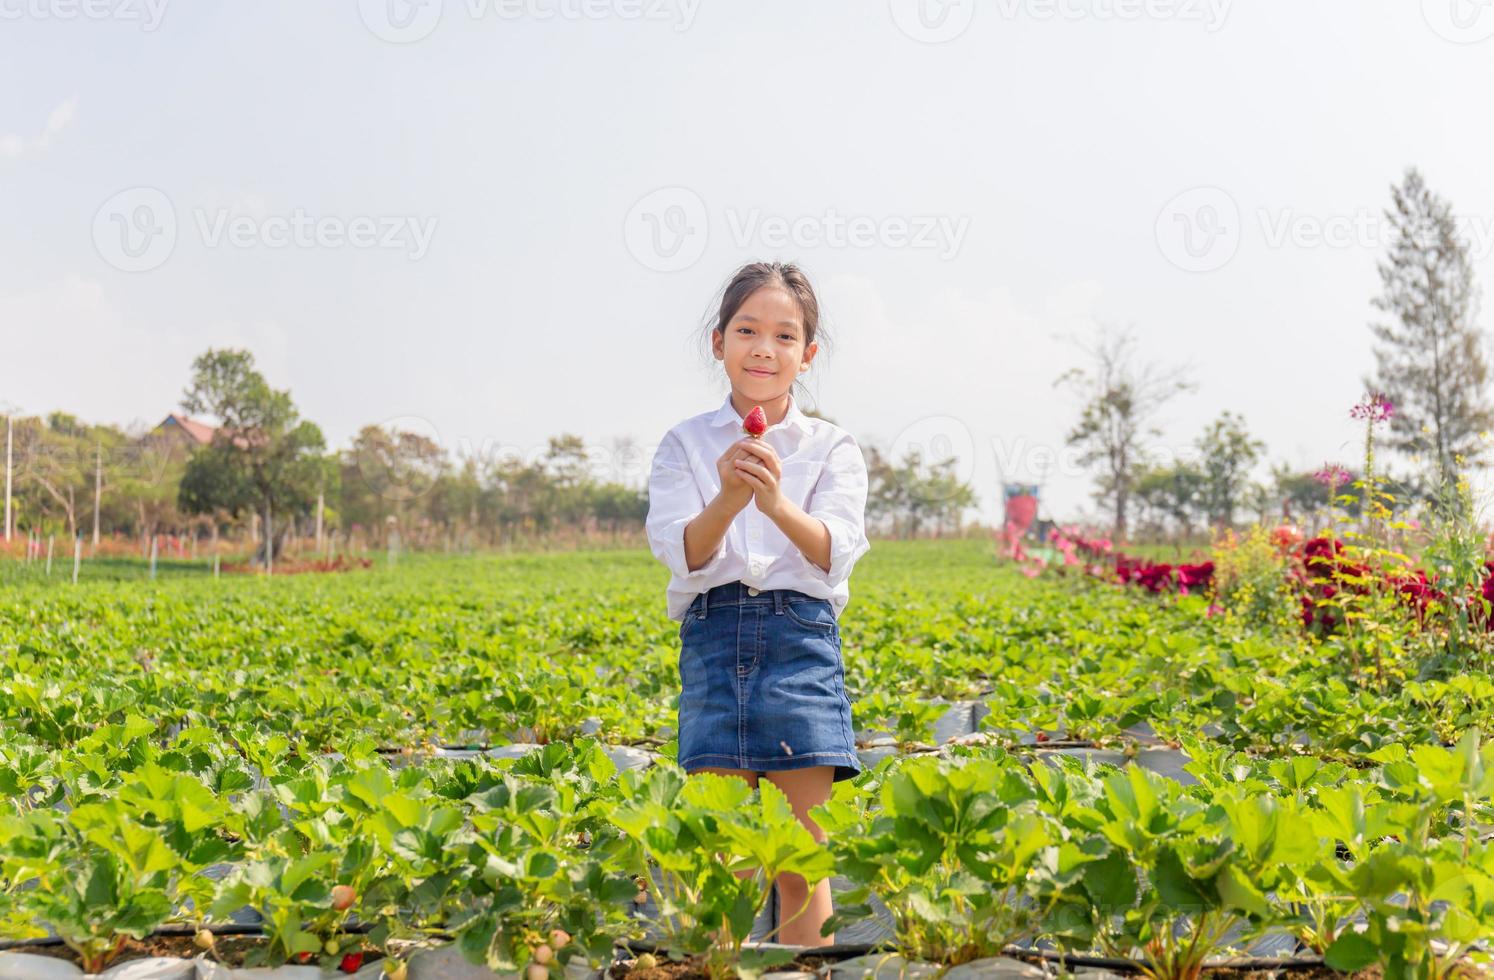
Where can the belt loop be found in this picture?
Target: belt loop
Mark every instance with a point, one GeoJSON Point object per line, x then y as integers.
{"type": "Point", "coordinates": [703, 596]}
{"type": "Point", "coordinates": [778, 602]}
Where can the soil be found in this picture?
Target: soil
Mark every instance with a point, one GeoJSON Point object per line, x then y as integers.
{"type": "Point", "coordinates": [342, 563]}
{"type": "Point", "coordinates": [690, 970]}
{"type": "Point", "coordinates": [228, 950]}
{"type": "Point", "coordinates": [1300, 973]}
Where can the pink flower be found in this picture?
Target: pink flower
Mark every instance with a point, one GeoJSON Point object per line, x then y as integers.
{"type": "Point", "coordinates": [1373, 408]}
{"type": "Point", "coordinates": [1332, 475]}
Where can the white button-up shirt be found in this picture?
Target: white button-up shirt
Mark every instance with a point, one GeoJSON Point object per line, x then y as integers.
{"type": "Point", "coordinates": [823, 472]}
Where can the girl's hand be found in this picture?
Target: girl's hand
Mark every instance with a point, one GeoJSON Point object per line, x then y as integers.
{"type": "Point", "coordinates": [761, 469]}
{"type": "Point", "coordinates": [734, 489]}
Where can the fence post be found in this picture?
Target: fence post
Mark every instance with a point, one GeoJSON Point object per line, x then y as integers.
{"type": "Point", "coordinates": [50, 538]}
{"type": "Point", "coordinates": [215, 564]}
{"type": "Point", "coordinates": [77, 555]}
{"type": "Point", "coordinates": [153, 556]}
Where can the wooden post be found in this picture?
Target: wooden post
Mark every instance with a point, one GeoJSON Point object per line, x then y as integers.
{"type": "Point", "coordinates": [77, 556]}
{"type": "Point", "coordinates": [50, 539]}
{"type": "Point", "coordinates": [8, 440]}
{"type": "Point", "coordinates": [215, 564]}
{"type": "Point", "coordinates": [153, 556]}
{"type": "Point", "coordinates": [98, 489]}
{"type": "Point", "coordinates": [320, 502]}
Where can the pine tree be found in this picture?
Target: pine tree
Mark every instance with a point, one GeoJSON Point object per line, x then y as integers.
{"type": "Point", "coordinates": [1430, 359]}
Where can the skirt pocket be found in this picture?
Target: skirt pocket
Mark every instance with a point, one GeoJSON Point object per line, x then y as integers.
{"type": "Point", "coordinates": [813, 614]}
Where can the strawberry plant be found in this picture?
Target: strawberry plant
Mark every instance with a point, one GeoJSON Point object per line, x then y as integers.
{"type": "Point", "coordinates": [688, 838]}
{"type": "Point", "coordinates": [953, 853]}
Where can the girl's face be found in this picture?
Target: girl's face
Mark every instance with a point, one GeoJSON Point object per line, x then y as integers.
{"type": "Point", "coordinates": [763, 345]}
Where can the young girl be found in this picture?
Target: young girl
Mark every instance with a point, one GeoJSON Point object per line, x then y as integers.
{"type": "Point", "coordinates": [760, 534]}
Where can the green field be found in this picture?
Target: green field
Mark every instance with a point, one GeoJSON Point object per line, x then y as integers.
{"type": "Point", "coordinates": [289, 728]}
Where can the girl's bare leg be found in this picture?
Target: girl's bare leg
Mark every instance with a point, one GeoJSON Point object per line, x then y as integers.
{"type": "Point", "coordinates": [804, 788]}
{"type": "Point", "coordinates": [747, 774]}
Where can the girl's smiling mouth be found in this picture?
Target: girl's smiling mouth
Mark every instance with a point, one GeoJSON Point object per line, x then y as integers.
{"type": "Point", "coordinates": [760, 372]}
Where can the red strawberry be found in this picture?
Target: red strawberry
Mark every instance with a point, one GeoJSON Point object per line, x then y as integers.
{"type": "Point", "coordinates": [1042, 736]}
{"type": "Point", "coordinates": [756, 422]}
{"type": "Point", "coordinates": [303, 957]}
{"type": "Point", "coordinates": [351, 962]}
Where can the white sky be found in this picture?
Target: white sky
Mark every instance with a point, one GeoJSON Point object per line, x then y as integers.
{"type": "Point", "coordinates": [565, 185]}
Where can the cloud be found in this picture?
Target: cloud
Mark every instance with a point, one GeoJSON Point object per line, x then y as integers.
{"type": "Point", "coordinates": [13, 147]}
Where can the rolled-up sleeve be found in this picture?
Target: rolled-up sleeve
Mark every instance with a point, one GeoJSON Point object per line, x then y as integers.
{"type": "Point", "coordinates": [839, 501]}
{"type": "Point", "coordinates": [674, 500]}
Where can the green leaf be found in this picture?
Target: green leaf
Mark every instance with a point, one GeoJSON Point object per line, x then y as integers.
{"type": "Point", "coordinates": [1351, 951]}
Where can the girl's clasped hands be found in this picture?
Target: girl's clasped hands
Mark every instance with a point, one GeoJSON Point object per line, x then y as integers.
{"type": "Point", "coordinates": [750, 469]}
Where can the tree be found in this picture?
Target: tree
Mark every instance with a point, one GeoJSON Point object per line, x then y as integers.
{"type": "Point", "coordinates": [914, 494]}
{"type": "Point", "coordinates": [1120, 398]}
{"type": "Point", "coordinates": [385, 473]}
{"type": "Point", "coordinates": [1172, 493]}
{"type": "Point", "coordinates": [54, 459]}
{"type": "Point", "coordinates": [263, 457]}
{"type": "Point", "coordinates": [1229, 454]}
{"type": "Point", "coordinates": [1430, 360]}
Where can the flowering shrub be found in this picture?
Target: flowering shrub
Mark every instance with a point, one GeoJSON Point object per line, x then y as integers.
{"type": "Point", "coordinates": [1101, 560]}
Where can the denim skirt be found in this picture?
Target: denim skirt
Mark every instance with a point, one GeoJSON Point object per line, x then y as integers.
{"type": "Point", "coordinates": [762, 684]}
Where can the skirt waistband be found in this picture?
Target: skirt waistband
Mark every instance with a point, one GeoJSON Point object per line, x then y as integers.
{"type": "Point", "coordinates": [741, 594]}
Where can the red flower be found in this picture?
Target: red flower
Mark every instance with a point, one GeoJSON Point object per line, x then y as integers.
{"type": "Point", "coordinates": [1195, 576]}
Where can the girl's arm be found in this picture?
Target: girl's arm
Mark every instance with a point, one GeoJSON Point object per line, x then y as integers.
{"type": "Point", "coordinates": [684, 532]}
{"type": "Point", "coordinates": [837, 504]}
{"type": "Point", "coordinates": [809, 534]}
{"type": "Point", "coordinates": [703, 535]}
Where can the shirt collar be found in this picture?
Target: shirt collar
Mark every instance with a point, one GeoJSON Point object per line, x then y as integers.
{"type": "Point", "coordinates": [792, 419]}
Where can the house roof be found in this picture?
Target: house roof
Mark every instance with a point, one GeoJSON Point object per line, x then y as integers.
{"type": "Point", "coordinates": [199, 432]}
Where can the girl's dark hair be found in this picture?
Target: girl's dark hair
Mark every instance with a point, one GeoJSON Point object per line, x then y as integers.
{"type": "Point", "coordinates": [754, 276]}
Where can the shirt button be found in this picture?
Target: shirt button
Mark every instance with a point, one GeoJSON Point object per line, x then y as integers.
{"type": "Point", "coordinates": [752, 591]}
